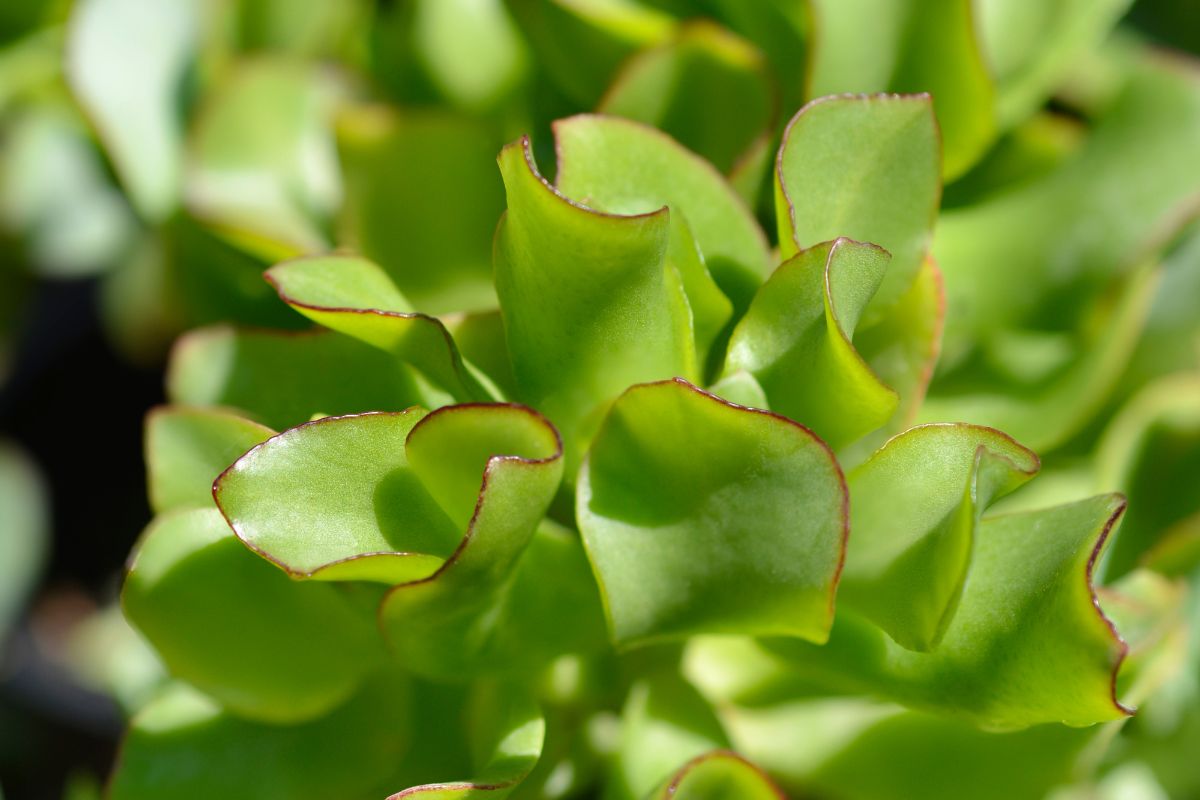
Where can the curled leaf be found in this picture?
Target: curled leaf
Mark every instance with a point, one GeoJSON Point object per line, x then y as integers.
{"type": "Point", "coordinates": [795, 341]}
{"type": "Point", "coordinates": [865, 167]}
{"type": "Point", "coordinates": [702, 516]}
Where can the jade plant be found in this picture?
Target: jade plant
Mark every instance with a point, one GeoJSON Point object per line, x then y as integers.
{"type": "Point", "coordinates": [624, 533]}
{"type": "Point", "coordinates": [687, 448]}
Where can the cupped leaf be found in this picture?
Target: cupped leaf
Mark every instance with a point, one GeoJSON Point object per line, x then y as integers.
{"type": "Point", "coordinates": [1049, 414]}
{"type": "Point", "coordinates": [909, 46]}
{"type": "Point", "coordinates": [127, 62]}
{"type": "Point", "coordinates": [263, 167]}
{"type": "Point", "coordinates": [915, 506]}
{"type": "Point", "coordinates": [581, 43]}
{"type": "Point", "coordinates": [590, 304]}
{"type": "Point", "coordinates": [1151, 451]}
{"type": "Point", "coordinates": [621, 167]}
{"type": "Point", "coordinates": [795, 341]}
{"type": "Point", "coordinates": [185, 746]}
{"type": "Point", "coordinates": [504, 735]}
{"type": "Point", "coordinates": [1028, 644]}
{"type": "Point", "coordinates": [708, 89]}
{"type": "Point", "coordinates": [283, 379]}
{"type": "Point", "coordinates": [356, 297]}
{"type": "Point", "coordinates": [865, 167]}
{"type": "Point", "coordinates": [719, 775]}
{"type": "Point", "coordinates": [24, 530]}
{"type": "Point", "coordinates": [702, 516]}
{"type": "Point", "coordinates": [421, 200]}
{"type": "Point", "coordinates": [226, 621]}
{"type": "Point", "coordinates": [1005, 258]}
{"type": "Point", "coordinates": [385, 497]}
{"type": "Point", "coordinates": [187, 448]}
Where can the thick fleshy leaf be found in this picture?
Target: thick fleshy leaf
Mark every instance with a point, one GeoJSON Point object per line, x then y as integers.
{"type": "Point", "coordinates": [1028, 644]}
{"type": "Point", "coordinates": [187, 448]}
{"type": "Point", "coordinates": [1151, 451]}
{"type": "Point", "coordinates": [127, 61]}
{"type": "Point", "coordinates": [709, 89]}
{"type": "Point", "coordinates": [719, 775]}
{"type": "Point", "coordinates": [590, 304]}
{"type": "Point", "coordinates": [1031, 43]}
{"type": "Point", "coordinates": [481, 341]}
{"type": "Point", "coordinates": [1004, 258]}
{"type": "Point", "coordinates": [387, 497]}
{"type": "Point", "coordinates": [472, 49]}
{"type": "Point", "coordinates": [915, 505]}
{"type": "Point", "coordinates": [24, 529]}
{"type": "Point", "coordinates": [621, 167]}
{"type": "Point", "coordinates": [795, 340]}
{"type": "Point", "coordinates": [581, 43]}
{"type": "Point", "coordinates": [701, 516]}
{"type": "Point", "coordinates": [422, 200]}
{"type": "Point", "coordinates": [1048, 414]}
{"type": "Point", "coordinates": [263, 167]}
{"type": "Point", "coordinates": [909, 46]}
{"type": "Point", "coordinates": [504, 735]}
{"type": "Point", "coordinates": [507, 615]}
{"type": "Point", "coordinates": [356, 297]}
{"type": "Point", "coordinates": [864, 167]}
{"type": "Point", "coordinates": [903, 345]}
{"type": "Point", "coordinates": [232, 625]}
{"type": "Point", "coordinates": [184, 746]}
{"type": "Point", "coordinates": [283, 379]}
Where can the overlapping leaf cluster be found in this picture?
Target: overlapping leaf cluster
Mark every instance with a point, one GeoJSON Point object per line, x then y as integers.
{"type": "Point", "coordinates": [631, 494]}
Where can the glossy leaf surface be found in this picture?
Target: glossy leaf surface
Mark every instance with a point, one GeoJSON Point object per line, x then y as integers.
{"type": "Point", "coordinates": [864, 167]}
{"type": "Point", "coordinates": [355, 297]}
{"type": "Point", "coordinates": [915, 506]}
{"type": "Point", "coordinates": [265, 646]}
{"type": "Point", "coordinates": [795, 341]}
{"type": "Point", "coordinates": [690, 511]}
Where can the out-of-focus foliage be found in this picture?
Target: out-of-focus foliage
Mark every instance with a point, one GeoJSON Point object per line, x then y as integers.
{"type": "Point", "coordinates": [645, 510]}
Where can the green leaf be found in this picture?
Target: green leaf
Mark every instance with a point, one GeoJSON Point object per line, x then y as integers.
{"type": "Point", "coordinates": [126, 62]}
{"type": "Point", "coordinates": [474, 53]}
{"type": "Point", "coordinates": [504, 732]}
{"type": "Point", "coordinates": [263, 168]}
{"type": "Point", "coordinates": [708, 89]}
{"type": "Point", "coordinates": [1151, 451]}
{"type": "Point", "coordinates": [283, 379]}
{"type": "Point", "coordinates": [185, 746]}
{"type": "Point", "coordinates": [24, 531]}
{"type": "Point", "coordinates": [701, 516]}
{"type": "Point", "coordinates": [1049, 414]}
{"type": "Point", "coordinates": [795, 340]}
{"type": "Point", "coordinates": [909, 46]}
{"type": "Point", "coordinates": [355, 297]}
{"type": "Point", "coordinates": [187, 448]}
{"type": "Point", "coordinates": [1020, 254]}
{"type": "Point", "coordinates": [1028, 644]}
{"type": "Point", "coordinates": [590, 305]}
{"type": "Point", "coordinates": [1031, 43]}
{"type": "Point", "coordinates": [915, 506]}
{"type": "Point", "coordinates": [866, 168]}
{"type": "Point", "coordinates": [719, 775]}
{"type": "Point", "coordinates": [399, 513]}
{"type": "Point", "coordinates": [581, 43]}
{"type": "Point", "coordinates": [421, 200]}
{"type": "Point", "coordinates": [621, 167]}
{"type": "Point", "coordinates": [228, 622]}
